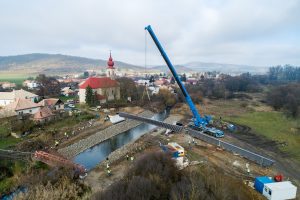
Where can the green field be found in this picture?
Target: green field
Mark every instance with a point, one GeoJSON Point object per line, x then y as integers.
{"type": "Point", "coordinates": [275, 126]}
{"type": "Point", "coordinates": [7, 142]}
{"type": "Point", "coordinates": [14, 78]}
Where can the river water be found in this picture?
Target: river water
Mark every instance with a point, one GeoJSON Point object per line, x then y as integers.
{"type": "Point", "coordinates": [94, 155]}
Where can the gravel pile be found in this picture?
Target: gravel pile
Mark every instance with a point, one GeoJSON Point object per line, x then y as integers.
{"type": "Point", "coordinates": [78, 147]}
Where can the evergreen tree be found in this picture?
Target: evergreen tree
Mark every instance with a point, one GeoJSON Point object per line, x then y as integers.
{"type": "Point", "coordinates": [89, 96]}
{"type": "Point", "coordinates": [36, 100]}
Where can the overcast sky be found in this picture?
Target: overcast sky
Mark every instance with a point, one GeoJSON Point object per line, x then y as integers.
{"type": "Point", "coordinates": [253, 32]}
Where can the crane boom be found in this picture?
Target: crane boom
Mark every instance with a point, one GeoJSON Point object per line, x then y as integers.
{"type": "Point", "coordinates": [199, 122]}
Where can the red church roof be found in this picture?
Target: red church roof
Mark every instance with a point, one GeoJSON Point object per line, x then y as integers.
{"type": "Point", "coordinates": [98, 82]}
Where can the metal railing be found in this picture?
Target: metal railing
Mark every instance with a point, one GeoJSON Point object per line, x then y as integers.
{"type": "Point", "coordinates": [259, 159]}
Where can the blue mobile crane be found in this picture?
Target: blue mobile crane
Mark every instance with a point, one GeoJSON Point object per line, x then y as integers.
{"type": "Point", "coordinates": [199, 123]}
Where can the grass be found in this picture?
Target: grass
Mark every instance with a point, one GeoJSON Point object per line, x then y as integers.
{"type": "Point", "coordinates": [70, 121]}
{"type": "Point", "coordinates": [65, 99]}
{"type": "Point", "coordinates": [13, 77]}
{"type": "Point", "coordinates": [275, 126]}
{"type": "Point", "coordinates": [4, 129]}
{"type": "Point", "coordinates": [8, 142]}
{"type": "Point", "coordinates": [6, 184]}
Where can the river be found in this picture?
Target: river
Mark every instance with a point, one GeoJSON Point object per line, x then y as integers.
{"type": "Point", "coordinates": [94, 155]}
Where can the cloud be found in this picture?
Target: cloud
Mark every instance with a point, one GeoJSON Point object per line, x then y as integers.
{"type": "Point", "coordinates": [250, 32]}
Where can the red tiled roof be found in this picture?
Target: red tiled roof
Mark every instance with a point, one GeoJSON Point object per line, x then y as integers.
{"type": "Point", "coordinates": [43, 113]}
{"type": "Point", "coordinates": [22, 104]}
{"type": "Point", "coordinates": [98, 82]}
{"type": "Point", "coordinates": [48, 102]}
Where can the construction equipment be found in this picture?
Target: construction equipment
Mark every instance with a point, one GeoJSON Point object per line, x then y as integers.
{"type": "Point", "coordinates": [199, 123]}
{"type": "Point", "coordinates": [177, 152]}
{"type": "Point", "coordinates": [259, 159]}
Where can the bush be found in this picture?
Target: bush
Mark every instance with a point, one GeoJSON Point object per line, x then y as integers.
{"type": "Point", "coordinates": [154, 176]}
{"type": "Point", "coordinates": [4, 129]}
{"type": "Point", "coordinates": [285, 97]}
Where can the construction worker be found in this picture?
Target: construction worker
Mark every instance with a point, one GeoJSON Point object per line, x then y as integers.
{"type": "Point", "coordinates": [107, 166]}
{"type": "Point", "coordinates": [108, 172]}
{"type": "Point", "coordinates": [127, 157]}
{"type": "Point", "coordinates": [56, 143]}
{"type": "Point", "coordinates": [66, 135]}
{"type": "Point", "coordinates": [131, 158]}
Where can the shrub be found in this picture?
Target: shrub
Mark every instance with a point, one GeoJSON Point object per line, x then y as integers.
{"type": "Point", "coordinates": [154, 176]}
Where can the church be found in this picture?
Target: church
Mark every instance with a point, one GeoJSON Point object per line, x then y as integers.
{"type": "Point", "coordinates": [106, 88]}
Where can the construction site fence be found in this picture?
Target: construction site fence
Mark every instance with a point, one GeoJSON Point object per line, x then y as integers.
{"type": "Point", "coordinates": [259, 159]}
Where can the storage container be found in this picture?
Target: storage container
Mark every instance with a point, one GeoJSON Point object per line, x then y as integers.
{"type": "Point", "coordinates": [260, 182]}
{"type": "Point", "coordinates": [280, 190]}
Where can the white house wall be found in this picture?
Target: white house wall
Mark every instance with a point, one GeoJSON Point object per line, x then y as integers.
{"type": "Point", "coordinates": [28, 111]}
{"type": "Point", "coordinates": [5, 102]}
{"type": "Point", "coordinates": [111, 93]}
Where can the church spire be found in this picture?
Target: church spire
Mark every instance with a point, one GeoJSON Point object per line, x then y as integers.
{"type": "Point", "coordinates": [110, 70]}
{"type": "Point", "coordinates": [110, 62]}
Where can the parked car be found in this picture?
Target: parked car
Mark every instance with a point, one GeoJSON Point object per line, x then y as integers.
{"type": "Point", "coordinates": [71, 105]}
{"type": "Point", "coordinates": [70, 101]}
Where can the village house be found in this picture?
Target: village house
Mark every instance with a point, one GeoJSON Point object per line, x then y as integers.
{"type": "Point", "coordinates": [67, 91]}
{"type": "Point", "coordinates": [161, 82]}
{"type": "Point", "coordinates": [52, 103]}
{"type": "Point", "coordinates": [43, 115]}
{"type": "Point", "coordinates": [9, 97]}
{"type": "Point", "coordinates": [22, 107]}
{"type": "Point", "coordinates": [7, 85]}
{"type": "Point", "coordinates": [106, 88]}
{"type": "Point", "coordinates": [30, 84]}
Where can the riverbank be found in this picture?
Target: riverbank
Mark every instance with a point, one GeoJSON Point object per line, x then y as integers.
{"type": "Point", "coordinates": [133, 147]}
{"type": "Point", "coordinates": [97, 178]}
{"type": "Point", "coordinates": [100, 136]}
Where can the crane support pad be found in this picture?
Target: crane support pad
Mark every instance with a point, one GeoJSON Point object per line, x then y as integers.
{"type": "Point", "coordinates": [259, 159]}
{"type": "Point", "coordinates": [174, 128]}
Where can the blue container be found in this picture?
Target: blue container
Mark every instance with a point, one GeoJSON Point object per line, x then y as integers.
{"type": "Point", "coordinates": [260, 182]}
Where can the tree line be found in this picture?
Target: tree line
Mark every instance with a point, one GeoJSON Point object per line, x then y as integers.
{"type": "Point", "coordinates": [286, 73]}
{"type": "Point", "coordinates": [285, 97]}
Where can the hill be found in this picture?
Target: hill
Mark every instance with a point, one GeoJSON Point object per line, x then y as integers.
{"type": "Point", "coordinates": [54, 63]}
{"type": "Point", "coordinates": [205, 67]}
{"type": "Point", "coordinates": [63, 64]}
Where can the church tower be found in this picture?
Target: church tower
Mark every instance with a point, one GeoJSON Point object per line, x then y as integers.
{"type": "Point", "coordinates": [110, 70]}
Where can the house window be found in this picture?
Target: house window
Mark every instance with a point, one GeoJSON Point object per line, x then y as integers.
{"type": "Point", "coordinates": [270, 192]}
